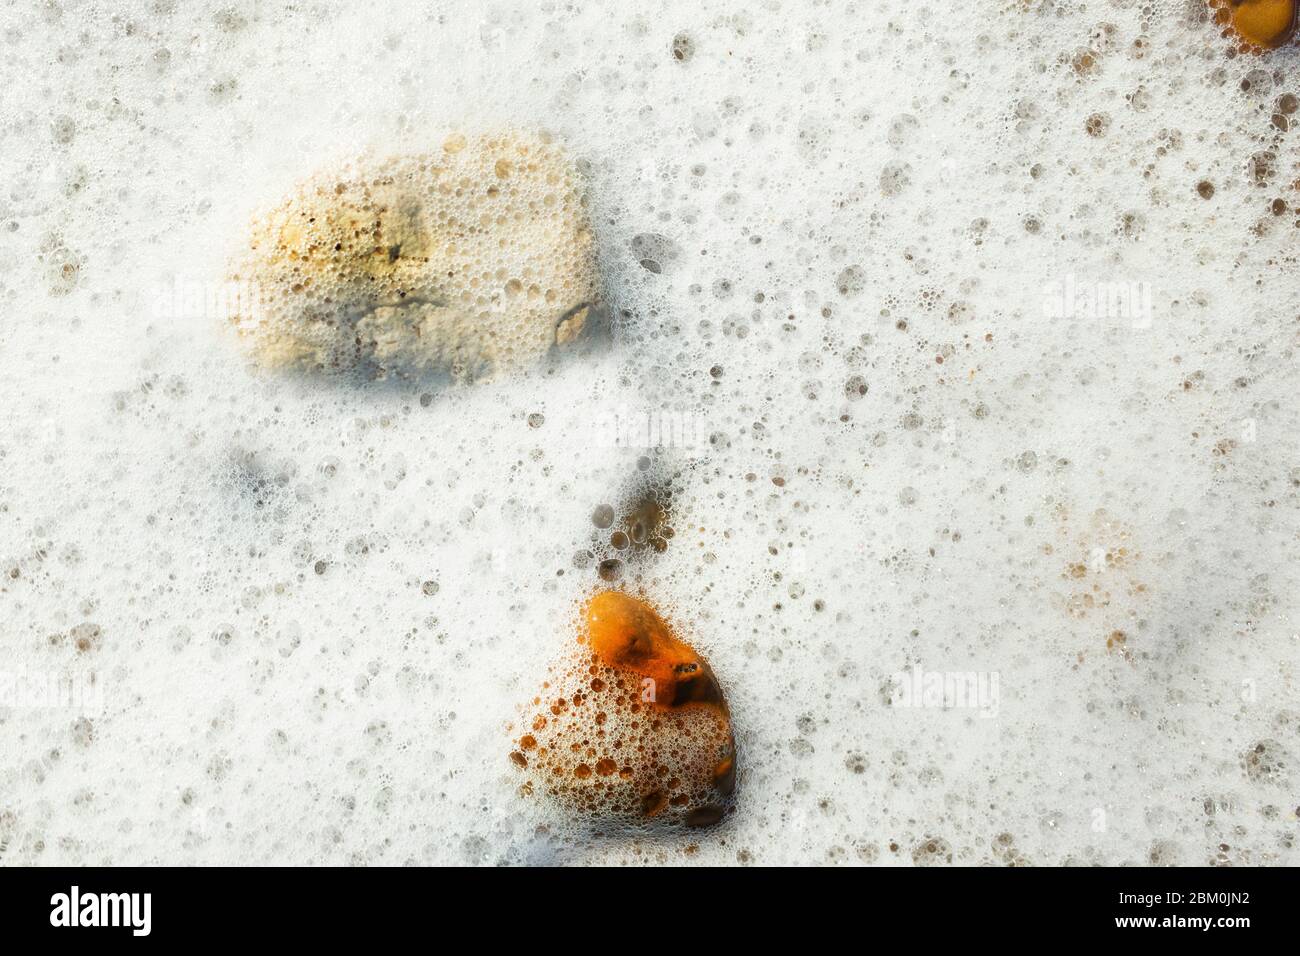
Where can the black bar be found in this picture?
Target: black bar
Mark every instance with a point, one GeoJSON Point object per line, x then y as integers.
{"type": "Point", "coordinates": [333, 906]}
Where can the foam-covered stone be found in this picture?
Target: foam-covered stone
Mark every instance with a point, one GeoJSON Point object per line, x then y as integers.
{"type": "Point", "coordinates": [632, 725]}
{"type": "Point", "coordinates": [472, 259]}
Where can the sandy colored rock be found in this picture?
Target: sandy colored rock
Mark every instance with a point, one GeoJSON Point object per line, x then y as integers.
{"type": "Point", "coordinates": [473, 259]}
{"type": "Point", "coordinates": [633, 727]}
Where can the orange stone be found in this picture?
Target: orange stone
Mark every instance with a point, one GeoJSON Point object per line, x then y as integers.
{"type": "Point", "coordinates": [638, 726]}
{"type": "Point", "coordinates": [1261, 23]}
{"type": "Point", "coordinates": [627, 634]}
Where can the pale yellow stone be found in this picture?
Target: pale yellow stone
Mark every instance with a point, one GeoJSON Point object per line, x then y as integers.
{"type": "Point", "coordinates": [472, 260]}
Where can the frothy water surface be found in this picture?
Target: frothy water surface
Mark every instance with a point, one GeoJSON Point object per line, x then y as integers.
{"type": "Point", "coordinates": [961, 336]}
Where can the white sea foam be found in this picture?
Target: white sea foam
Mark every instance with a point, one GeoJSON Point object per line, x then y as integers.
{"type": "Point", "coordinates": [309, 608]}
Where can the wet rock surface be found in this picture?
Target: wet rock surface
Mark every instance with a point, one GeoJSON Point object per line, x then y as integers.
{"type": "Point", "coordinates": [1259, 24]}
{"type": "Point", "coordinates": [473, 259]}
{"type": "Point", "coordinates": [634, 728]}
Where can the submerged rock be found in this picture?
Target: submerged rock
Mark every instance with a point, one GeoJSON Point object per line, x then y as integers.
{"type": "Point", "coordinates": [635, 727]}
{"type": "Point", "coordinates": [470, 260]}
{"type": "Point", "coordinates": [640, 528]}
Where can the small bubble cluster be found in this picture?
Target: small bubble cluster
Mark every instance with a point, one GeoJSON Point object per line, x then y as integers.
{"type": "Point", "coordinates": [627, 537]}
